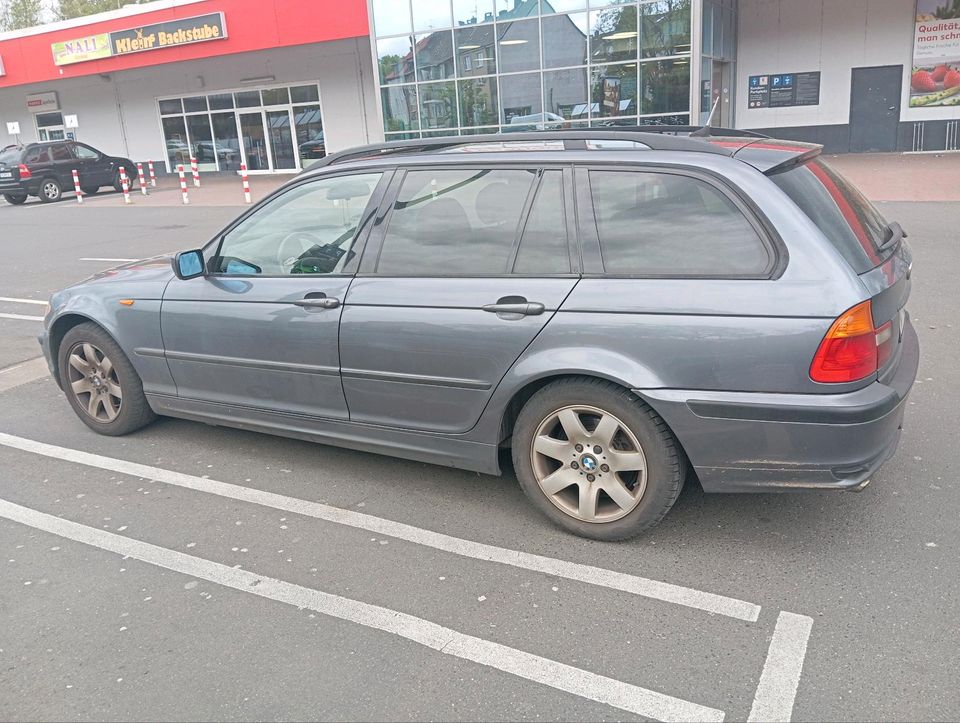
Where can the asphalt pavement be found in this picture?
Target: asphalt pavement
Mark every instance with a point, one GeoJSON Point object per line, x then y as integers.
{"type": "Point", "coordinates": [193, 572]}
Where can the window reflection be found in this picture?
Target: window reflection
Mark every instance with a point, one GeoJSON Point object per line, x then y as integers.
{"type": "Point", "coordinates": [438, 105]}
{"type": "Point", "coordinates": [400, 109]}
{"type": "Point", "coordinates": [613, 34]}
{"type": "Point", "coordinates": [431, 14]}
{"type": "Point", "coordinates": [395, 60]}
{"type": "Point", "coordinates": [519, 45]}
{"type": "Point", "coordinates": [613, 90]}
{"type": "Point", "coordinates": [564, 40]}
{"type": "Point", "coordinates": [565, 93]}
{"type": "Point", "coordinates": [478, 101]}
{"type": "Point", "coordinates": [434, 53]}
{"type": "Point", "coordinates": [665, 86]}
{"type": "Point", "coordinates": [665, 28]}
{"type": "Point", "coordinates": [521, 101]}
{"type": "Point", "coordinates": [559, 6]}
{"type": "Point", "coordinates": [475, 52]}
{"type": "Point", "coordinates": [391, 17]}
{"type": "Point", "coordinates": [470, 12]}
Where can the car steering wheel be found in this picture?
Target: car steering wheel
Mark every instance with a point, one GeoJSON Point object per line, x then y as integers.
{"type": "Point", "coordinates": [293, 246]}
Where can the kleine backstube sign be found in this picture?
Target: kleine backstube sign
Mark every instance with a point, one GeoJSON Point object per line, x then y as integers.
{"type": "Point", "coordinates": [183, 31]}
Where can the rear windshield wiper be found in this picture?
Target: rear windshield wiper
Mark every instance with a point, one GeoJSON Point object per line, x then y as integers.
{"type": "Point", "coordinates": [893, 235]}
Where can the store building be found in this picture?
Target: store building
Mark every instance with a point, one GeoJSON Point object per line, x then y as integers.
{"type": "Point", "coordinates": [278, 83]}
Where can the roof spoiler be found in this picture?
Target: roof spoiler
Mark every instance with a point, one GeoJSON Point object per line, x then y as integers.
{"type": "Point", "coordinates": [770, 156]}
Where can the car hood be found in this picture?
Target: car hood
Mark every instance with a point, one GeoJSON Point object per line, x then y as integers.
{"type": "Point", "coordinates": [153, 270]}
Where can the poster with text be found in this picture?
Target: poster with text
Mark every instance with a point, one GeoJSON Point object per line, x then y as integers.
{"type": "Point", "coordinates": [935, 80]}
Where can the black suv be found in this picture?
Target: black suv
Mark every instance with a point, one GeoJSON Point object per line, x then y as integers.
{"type": "Point", "coordinates": [46, 170]}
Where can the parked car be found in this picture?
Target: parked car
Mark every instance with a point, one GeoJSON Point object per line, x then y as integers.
{"type": "Point", "coordinates": [617, 308]}
{"type": "Point", "coordinates": [316, 147]}
{"type": "Point", "coordinates": [225, 152]}
{"type": "Point", "coordinates": [46, 170]}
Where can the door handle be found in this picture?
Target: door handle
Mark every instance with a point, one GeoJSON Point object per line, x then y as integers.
{"type": "Point", "coordinates": [529, 308]}
{"type": "Point", "coordinates": [322, 303]}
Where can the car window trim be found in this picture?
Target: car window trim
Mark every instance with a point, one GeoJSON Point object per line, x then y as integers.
{"type": "Point", "coordinates": [371, 259]}
{"type": "Point", "coordinates": [769, 238]}
{"type": "Point", "coordinates": [363, 233]}
{"type": "Point", "coordinates": [534, 196]}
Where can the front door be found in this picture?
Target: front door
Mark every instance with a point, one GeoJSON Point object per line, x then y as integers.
{"type": "Point", "coordinates": [253, 141]}
{"type": "Point", "coordinates": [454, 285]}
{"type": "Point", "coordinates": [260, 329]}
{"type": "Point", "coordinates": [875, 108]}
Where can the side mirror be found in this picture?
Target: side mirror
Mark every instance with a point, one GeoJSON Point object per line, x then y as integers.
{"type": "Point", "coordinates": [188, 264]}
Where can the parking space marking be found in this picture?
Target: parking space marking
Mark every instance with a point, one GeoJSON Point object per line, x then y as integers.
{"type": "Point", "coordinates": [780, 678]}
{"type": "Point", "coordinates": [23, 373]}
{"type": "Point", "coordinates": [601, 577]}
{"type": "Point", "coordinates": [120, 261]}
{"type": "Point", "coordinates": [14, 300]}
{"type": "Point", "coordinates": [21, 317]}
{"type": "Point", "coordinates": [566, 678]}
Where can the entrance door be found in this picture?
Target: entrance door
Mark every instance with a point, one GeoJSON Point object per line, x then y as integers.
{"type": "Point", "coordinates": [253, 141]}
{"type": "Point", "coordinates": [281, 140]}
{"type": "Point", "coordinates": [875, 108]}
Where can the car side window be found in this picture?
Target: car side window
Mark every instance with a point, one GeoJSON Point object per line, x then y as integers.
{"type": "Point", "coordinates": [664, 224]}
{"type": "Point", "coordinates": [461, 222]}
{"type": "Point", "coordinates": [40, 154]}
{"type": "Point", "coordinates": [60, 152]}
{"type": "Point", "coordinates": [309, 229]}
{"type": "Point", "coordinates": [84, 153]}
{"type": "Point", "coordinates": [543, 246]}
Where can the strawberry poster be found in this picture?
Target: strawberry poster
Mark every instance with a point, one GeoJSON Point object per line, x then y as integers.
{"type": "Point", "coordinates": [935, 80]}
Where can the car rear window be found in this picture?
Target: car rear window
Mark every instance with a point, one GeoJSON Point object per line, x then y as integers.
{"type": "Point", "coordinates": [844, 215]}
{"type": "Point", "coordinates": [664, 224]}
{"type": "Point", "coordinates": [10, 155]}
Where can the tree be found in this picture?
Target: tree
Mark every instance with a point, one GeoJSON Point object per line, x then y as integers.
{"type": "Point", "coordinates": [19, 14]}
{"type": "Point", "coordinates": [66, 9]}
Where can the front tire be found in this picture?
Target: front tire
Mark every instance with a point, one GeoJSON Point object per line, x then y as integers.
{"type": "Point", "coordinates": [50, 190]}
{"type": "Point", "coordinates": [15, 199]}
{"type": "Point", "coordinates": [90, 190]}
{"type": "Point", "coordinates": [101, 384]}
{"type": "Point", "coordinates": [596, 459]}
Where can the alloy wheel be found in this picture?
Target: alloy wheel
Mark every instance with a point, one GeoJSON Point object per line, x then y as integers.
{"type": "Point", "coordinates": [589, 464]}
{"type": "Point", "coordinates": [51, 190]}
{"type": "Point", "coordinates": [94, 382]}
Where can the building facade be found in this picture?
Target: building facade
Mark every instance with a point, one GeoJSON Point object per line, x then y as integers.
{"type": "Point", "coordinates": [276, 84]}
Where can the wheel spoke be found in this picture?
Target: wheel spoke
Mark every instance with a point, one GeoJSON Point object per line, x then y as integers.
{"type": "Point", "coordinates": [93, 405]}
{"type": "Point", "coordinates": [572, 426]}
{"type": "Point", "coordinates": [80, 364]}
{"type": "Point", "coordinates": [625, 461]}
{"type": "Point", "coordinates": [107, 366]}
{"type": "Point", "coordinates": [110, 410]}
{"type": "Point", "coordinates": [554, 448]}
{"type": "Point", "coordinates": [606, 430]}
{"type": "Point", "coordinates": [115, 390]}
{"type": "Point", "coordinates": [559, 480]}
{"type": "Point", "coordinates": [89, 354]}
{"type": "Point", "coordinates": [618, 492]}
{"type": "Point", "coordinates": [588, 501]}
{"type": "Point", "coordinates": [82, 386]}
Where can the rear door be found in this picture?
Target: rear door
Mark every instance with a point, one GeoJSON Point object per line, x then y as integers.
{"type": "Point", "coordinates": [94, 171]}
{"type": "Point", "coordinates": [63, 162]}
{"type": "Point", "coordinates": [465, 269]}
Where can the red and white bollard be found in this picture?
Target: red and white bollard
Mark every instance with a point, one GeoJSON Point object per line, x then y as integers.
{"type": "Point", "coordinates": [153, 175]}
{"type": "Point", "coordinates": [143, 181]}
{"type": "Point", "coordinates": [76, 186]}
{"type": "Point", "coordinates": [183, 184]}
{"type": "Point", "coordinates": [246, 183]}
{"type": "Point", "coordinates": [125, 184]}
{"type": "Point", "coordinates": [195, 170]}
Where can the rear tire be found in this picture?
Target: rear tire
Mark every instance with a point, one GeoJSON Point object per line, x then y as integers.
{"type": "Point", "coordinates": [90, 190]}
{"type": "Point", "coordinates": [15, 199]}
{"type": "Point", "coordinates": [50, 190]}
{"type": "Point", "coordinates": [101, 384]}
{"type": "Point", "coordinates": [614, 474]}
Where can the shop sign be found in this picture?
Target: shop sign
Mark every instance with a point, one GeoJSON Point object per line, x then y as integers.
{"type": "Point", "coordinates": [784, 90]}
{"type": "Point", "coordinates": [42, 102]}
{"type": "Point", "coordinates": [935, 79]}
{"type": "Point", "coordinates": [183, 31]}
{"type": "Point", "coordinates": [80, 50]}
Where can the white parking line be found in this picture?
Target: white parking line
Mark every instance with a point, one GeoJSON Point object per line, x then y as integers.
{"type": "Point", "coordinates": [566, 678]}
{"type": "Point", "coordinates": [23, 373]}
{"type": "Point", "coordinates": [117, 260]}
{"type": "Point", "coordinates": [709, 602]}
{"type": "Point", "coordinates": [777, 690]}
{"type": "Point", "coordinates": [14, 300]}
{"type": "Point", "coordinates": [21, 317]}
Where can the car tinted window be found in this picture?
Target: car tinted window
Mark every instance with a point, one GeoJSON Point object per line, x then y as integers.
{"type": "Point", "coordinates": [663, 224]}
{"type": "Point", "coordinates": [60, 152]}
{"type": "Point", "coordinates": [84, 153]}
{"type": "Point", "coordinates": [310, 229]}
{"type": "Point", "coordinates": [840, 211]}
{"type": "Point", "coordinates": [10, 155]}
{"type": "Point", "coordinates": [543, 246]}
{"type": "Point", "coordinates": [455, 222]}
{"type": "Point", "coordinates": [40, 154]}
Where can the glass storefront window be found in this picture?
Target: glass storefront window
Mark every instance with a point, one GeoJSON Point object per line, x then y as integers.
{"type": "Point", "coordinates": [521, 101]}
{"type": "Point", "coordinates": [478, 101]}
{"type": "Point", "coordinates": [564, 40]}
{"type": "Point", "coordinates": [395, 60]}
{"type": "Point", "coordinates": [221, 101]}
{"type": "Point", "coordinates": [613, 90]}
{"type": "Point", "coordinates": [430, 14]}
{"type": "Point", "coordinates": [391, 17]}
{"type": "Point", "coordinates": [565, 93]}
{"type": "Point", "coordinates": [195, 104]}
{"type": "Point", "coordinates": [248, 98]}
{"type": "Point", "coordinates": [281, 139]}
{"type": "Point", "coordinates": [434, 55]}
{"type": "Point", "coordinates": [275, 96]}
{"type": "Point", "coordinates": [613, 34]}
{"type": "Point", "coordinates": [665, 28]}
{"type": "Point", "coordinates": [170, 107]}
{"type": "Point", "coordinates": [519, 45]}
{"type": "Point", "coordinates": [438, 105]}
{"type": "Point", "coordinates": [400, 109]}
{"type": "Point", "coordinates": [470, 12]}
{"type": "Point", "coordinates": [310, 141]}
{"type": "Point", "coordinates": [304, 94]}
{"type": "Point", "coordinates": [665, 86]}
{"type": "Point", "coordinates": [475, 53]}
{"type": "Point", "coordinates": [561, 6]}
{"type": "Point", "coordinates": [226, 141]}
{"type": "Point", "coordinates": [200, 140]}
{"type": "Point", "coordinates": [175, 136]}
{"type": "Point", "coordinates": [513, 9]}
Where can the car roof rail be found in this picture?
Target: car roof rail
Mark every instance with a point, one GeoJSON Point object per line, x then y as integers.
{"type": "Point", "coordinates": [573, 140]}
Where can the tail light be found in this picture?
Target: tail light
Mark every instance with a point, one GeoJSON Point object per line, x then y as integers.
{"type": "Point", "coordinates": [24, 172]}
{"type": "Point", "coordinates": [853, 348]}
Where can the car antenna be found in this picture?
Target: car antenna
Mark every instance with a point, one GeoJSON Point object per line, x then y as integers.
{"type": "Point", "coordinates": [704, 130]}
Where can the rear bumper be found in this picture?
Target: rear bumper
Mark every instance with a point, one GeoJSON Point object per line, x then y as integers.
{"type": "Point", "coordinates": [30, 187]}
{"type": "Point", "coordinates": [749, 442]}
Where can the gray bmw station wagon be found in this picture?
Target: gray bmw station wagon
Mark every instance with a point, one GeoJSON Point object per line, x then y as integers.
{"type": "Point", "coordinates": [620, 309]}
